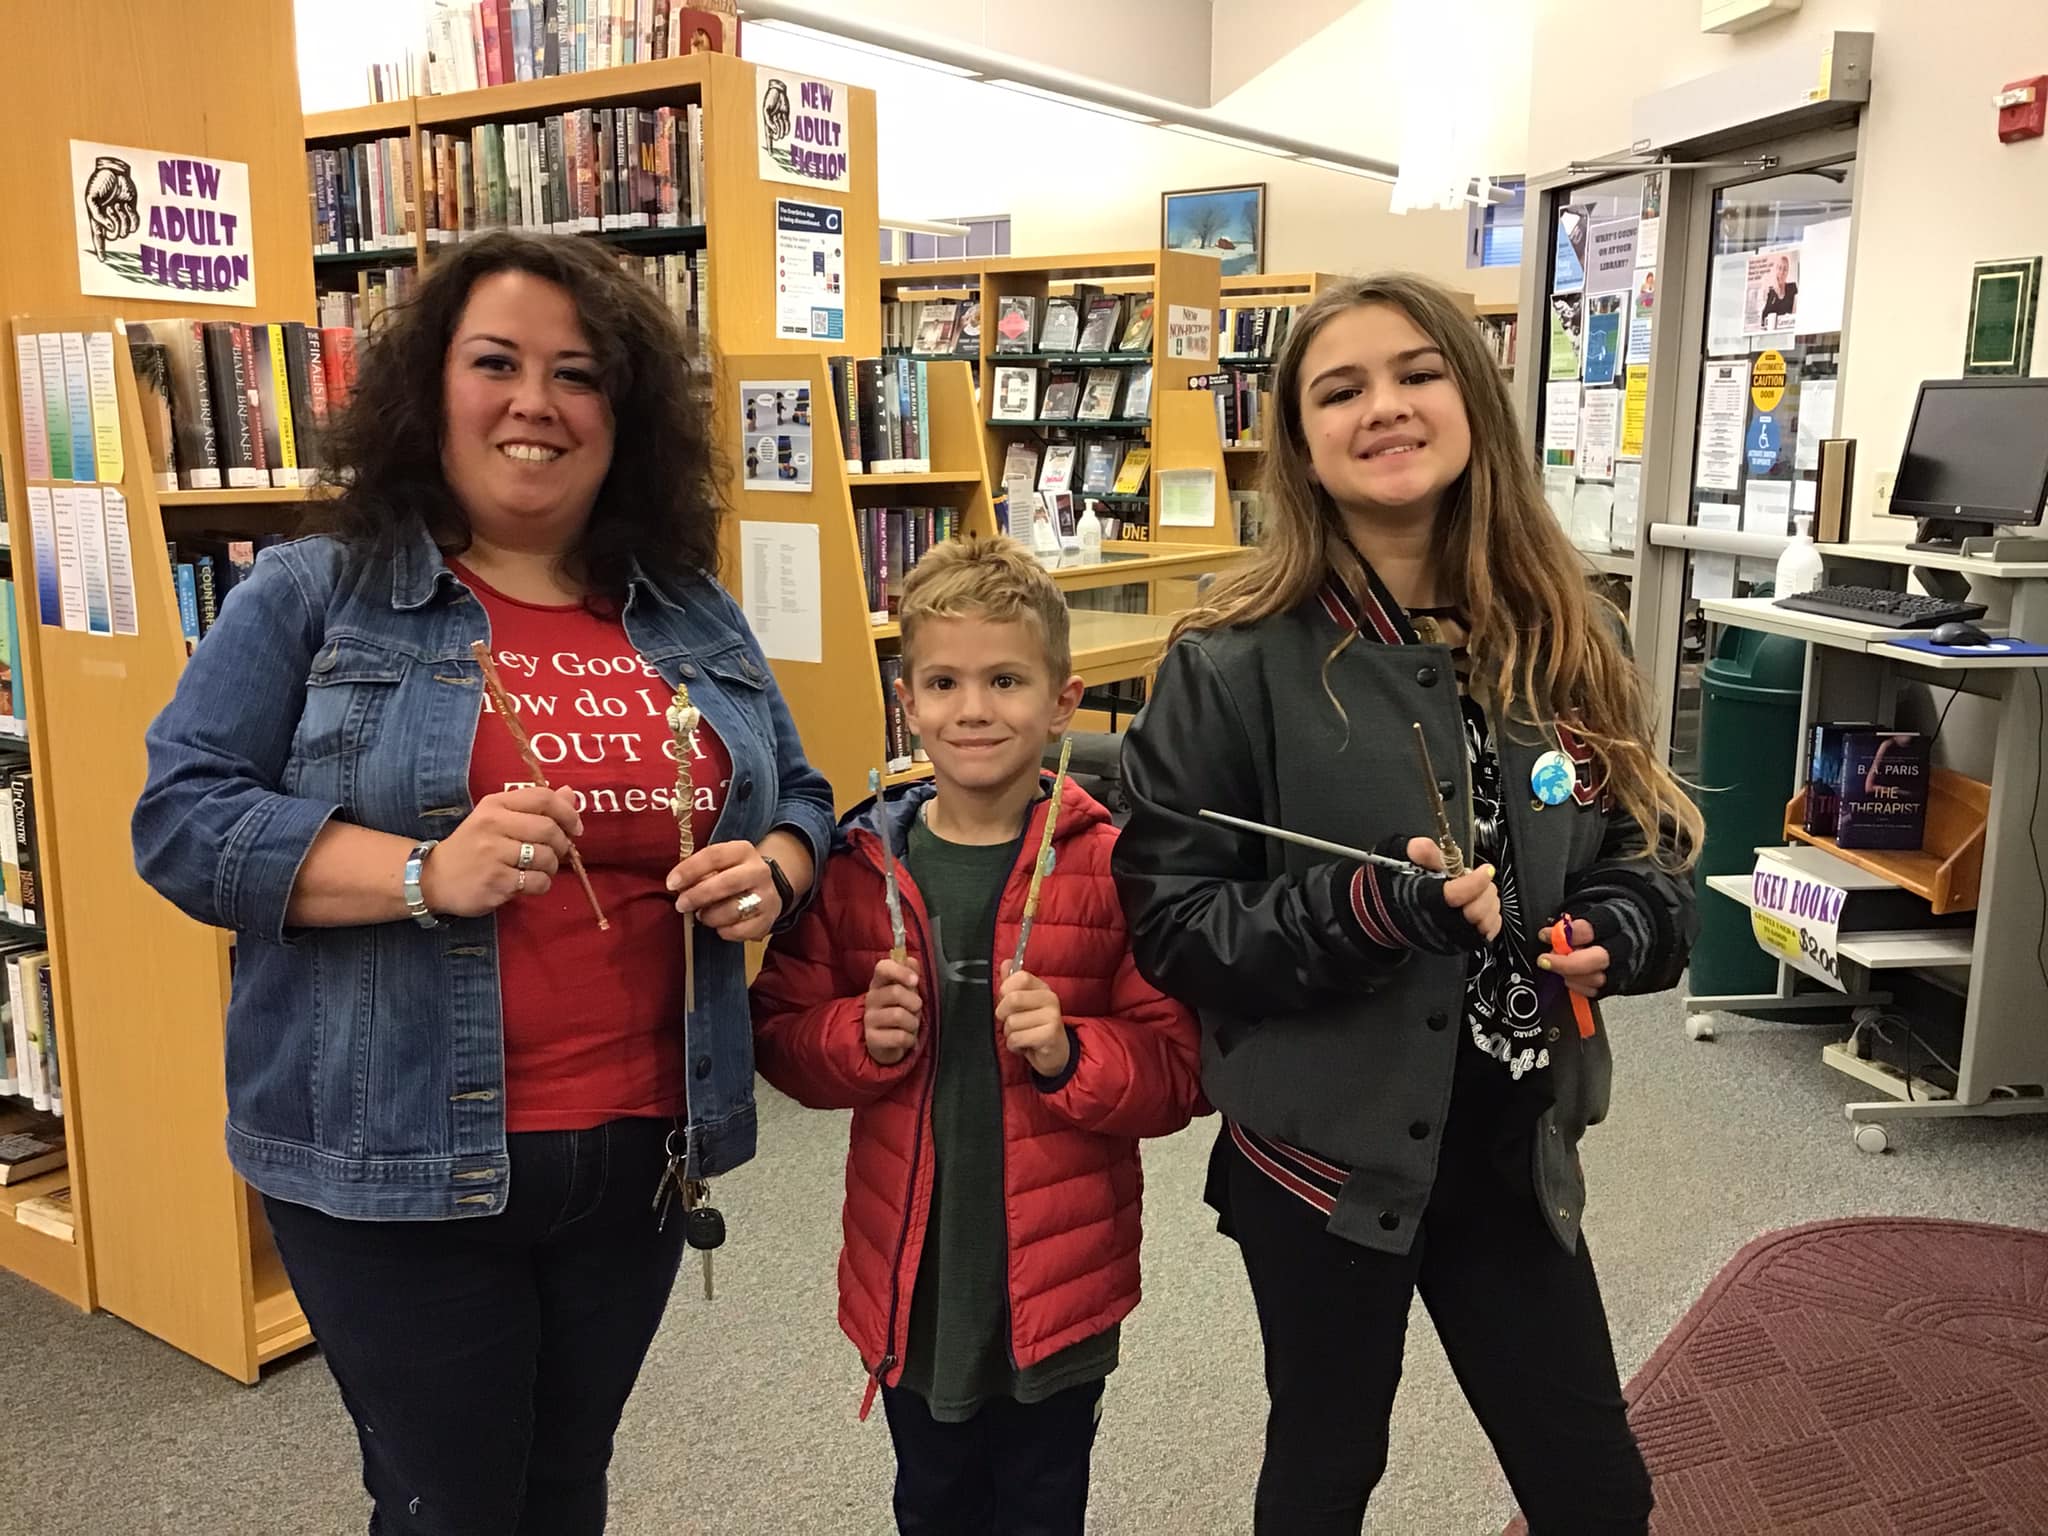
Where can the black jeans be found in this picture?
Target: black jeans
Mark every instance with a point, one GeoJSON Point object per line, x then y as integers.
{"type": "Point", "coordinates": [1520, 1319]}
{"type": "Point", "coordinates": [486, 1361]}
{"type": "Point", "coordinates": [1014, 1469]}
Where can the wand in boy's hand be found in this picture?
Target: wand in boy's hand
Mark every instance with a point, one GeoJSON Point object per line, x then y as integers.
{"type": "Point", "coordinates": [502, 703]}
{"type": "Point", "coordinates": [1038, 865]}
{"type": "Point", "coordinates": [899, 950]}
{"type": "Point", "coordinates": [682, 725]}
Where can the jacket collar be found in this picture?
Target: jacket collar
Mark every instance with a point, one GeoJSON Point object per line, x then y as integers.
{"type": "Point", "coordinates": [897, 809]}
{"type": "Point", "coordinates": [1374, 614]}
{"type": "Point", "coordinates": [419, 570]}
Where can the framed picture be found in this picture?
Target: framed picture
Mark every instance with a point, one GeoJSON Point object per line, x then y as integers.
{"type": "Point", "coordinates": [1226, 222]}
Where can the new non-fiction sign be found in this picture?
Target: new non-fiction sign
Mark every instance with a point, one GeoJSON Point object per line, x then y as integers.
{"type": "Point", "coordinates": [153, 225]}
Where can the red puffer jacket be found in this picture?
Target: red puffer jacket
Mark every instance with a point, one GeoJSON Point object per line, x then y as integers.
{"type": "Point", "coordinates": [1070, 1168]}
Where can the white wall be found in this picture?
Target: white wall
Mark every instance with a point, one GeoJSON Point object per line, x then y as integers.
{"type": "Point", "coordinates": [340, 39]}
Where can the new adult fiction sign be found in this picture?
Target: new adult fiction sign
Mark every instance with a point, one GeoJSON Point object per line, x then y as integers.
{"type": "Point", "coordinates": [160, 226]}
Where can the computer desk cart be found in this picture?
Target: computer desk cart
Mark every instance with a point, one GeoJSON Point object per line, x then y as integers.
{"type": "Point", "coordinates": [1852, 673]}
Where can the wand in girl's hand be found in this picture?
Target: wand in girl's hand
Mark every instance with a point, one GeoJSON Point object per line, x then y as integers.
{"type": "Point", "coordinates": [502, 703]}
{"type": "Point", "coordinates": [1044, 859]}
{"type": "Point", "coordinates": [682, 725]}
{"type": "Point", "coordinates": [899, 950]}
{"type": "Point", "coordinates": [1561, 944]}
{"type": "Point", "coordinates": [1454, 856]}
{"type": "Point", "coordinates": [1320, 845]}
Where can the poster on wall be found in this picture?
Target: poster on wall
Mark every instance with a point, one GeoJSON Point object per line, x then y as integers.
{"type": "Point", "coordinates": [152, 225]}
{"type": "Point", "coordinates": [1603, 337]}
{"type": "Point", "coordinates": [775, 434]}
{"type": "Point", "coordinates": [801, 125]}
{"type": "Point", "coordinates": [1567, 317]}
{"type": "Point", "coordinates": [810, 271]}
{"type": "Point", "coordinates": [1642, 315]}
{"type": "Point", "coordinates": [1650, 232]}
{"type": "Point", "coordinates": [1560, 421]}
{"type": "Point", "coordinates": [1770, 293]}
{"type": "Point", "coordinates": [1568, 268]}
{"type": "Point", "coordinates": [1613, 257]}
{"type": "Point", "coordinates": [1599, 425]}
{"type": "Point", "coordinates": [1635, 411]}
{"type": "Point", "coordinates": [1723, 407]}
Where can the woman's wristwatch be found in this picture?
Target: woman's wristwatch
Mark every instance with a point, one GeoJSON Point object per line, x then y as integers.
{"type": "Point", "coordinates": [415, 902]}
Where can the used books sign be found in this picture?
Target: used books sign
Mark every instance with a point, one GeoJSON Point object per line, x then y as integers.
{"type": "Point", "coordinates": [1797, 918]}
{"type": "Point", "coordinates": [158, 226]}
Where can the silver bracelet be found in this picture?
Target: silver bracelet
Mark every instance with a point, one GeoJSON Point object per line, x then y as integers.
{"type": "Point", "coordinates": [415, 903]}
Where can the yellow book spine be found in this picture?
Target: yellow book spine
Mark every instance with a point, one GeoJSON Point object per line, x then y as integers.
{"type": "Point", "coordinates": [281, 386]}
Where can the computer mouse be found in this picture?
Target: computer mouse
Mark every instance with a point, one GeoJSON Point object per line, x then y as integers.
{"type": "Point", "coordinates": [1957, 632]}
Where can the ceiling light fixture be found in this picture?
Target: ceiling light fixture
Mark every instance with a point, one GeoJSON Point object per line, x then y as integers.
{"type": "Point", "coordinates": [837, 40]}
{"type": "Point", "coordinates": [1234, 140]}
{"type": "Point", "coordinates": [1080, 103]}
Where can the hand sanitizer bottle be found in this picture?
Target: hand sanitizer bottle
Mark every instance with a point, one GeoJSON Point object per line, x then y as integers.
{"type": "Point", "coordinates": [1799, 567]}
{"type": "Point", "coordinates": [1089, 531]}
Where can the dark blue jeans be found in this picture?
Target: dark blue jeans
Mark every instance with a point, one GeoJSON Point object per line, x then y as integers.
{"type": "Point", "coordinates": [486, 1362]}
{"type": "Point", "coordinates": [1014, 1469]}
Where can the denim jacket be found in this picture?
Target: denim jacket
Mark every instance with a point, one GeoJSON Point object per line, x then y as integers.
{"type": "Point", "coordinates": [365, 1065]}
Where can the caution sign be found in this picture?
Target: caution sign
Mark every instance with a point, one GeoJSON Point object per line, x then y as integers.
{"type": "Point", "coordinates": [1767, 380]}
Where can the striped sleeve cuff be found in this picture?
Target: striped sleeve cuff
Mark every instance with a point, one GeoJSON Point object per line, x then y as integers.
{"type": "Point", "coordinates": [1369, 908]}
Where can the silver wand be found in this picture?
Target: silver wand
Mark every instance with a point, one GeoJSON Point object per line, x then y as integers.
{"type": "Point", "coordinates": [899, 950]}
{"type": "Point", "coordinates": [1302, 839]}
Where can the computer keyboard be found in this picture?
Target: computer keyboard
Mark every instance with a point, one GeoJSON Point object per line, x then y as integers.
{"type": "Point", "coordinates": [1876, 605]}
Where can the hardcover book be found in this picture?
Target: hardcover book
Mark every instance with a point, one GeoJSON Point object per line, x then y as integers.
{"type": "Point", "coordinates": [1098, 396]}
{"type": "Point", "coordinates": [1885, 779]}
{"type": "Point", "coordinates": [1016, 324]}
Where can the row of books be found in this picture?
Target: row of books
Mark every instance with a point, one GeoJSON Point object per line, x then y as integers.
{"type": "Point", "coordinates": [681, 279]}
{"type": "Point", "coordinates": [1500, 333]}
{"type": "Point", "coordinates": [1094, 394]}
{"type": "Point", "coordinates": [363, 196]}
{"type": "Point", "coordinates": [472, 44]}
{"type": "Point", "coordinates": [229, 404]}
{"type": "Point", "coordinates": [1241, 404]}
{"type": "Point", "coordinates": [883, 408]}
{"type": "Point", "coordinates": [931, 327]}
{"type": "Point", "coordinates": [21, 846]}
{"type": "Point", "coordinates": [1087, 321]}
{"type": "Point", "coordinates": [372, 290]}
{"type": "Point", "coordinates": [13, 705]}
{"type": "Point", "coordinates": [1254, 331]}
{"type": "Point", "coordinates": [1109, 466]}
{"type": "Point", "coordinates": [1248, 508]}
{"type": "Point", "coordinates": [30, 1070]}
{"type": "Point", "coordinates": [901, 748]}
{"type": "Point", "coordinates": [578, 172]}
{"type": "Point", "coordinates": [205, 568]}
{"type": "Point", "coordinates": [892, 541]}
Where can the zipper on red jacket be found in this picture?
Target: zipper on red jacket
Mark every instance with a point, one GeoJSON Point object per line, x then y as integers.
{"type": "Point", "coordinates": [889, 1359]}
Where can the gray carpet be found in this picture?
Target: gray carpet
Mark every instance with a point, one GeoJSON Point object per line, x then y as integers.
{"type": "Point", "coordinates": [744, 1421]}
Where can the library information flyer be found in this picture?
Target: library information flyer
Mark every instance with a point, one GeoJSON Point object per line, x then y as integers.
{"type": "Point", "coordinates": [152, 225]}
{"type": "Point", "coordinates": [810, 271]}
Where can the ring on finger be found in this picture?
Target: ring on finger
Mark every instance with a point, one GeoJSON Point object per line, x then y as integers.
{"type": "Point", "coordinates": [525, 857]}
{"type": "Point", "coordinates": [747, 906]}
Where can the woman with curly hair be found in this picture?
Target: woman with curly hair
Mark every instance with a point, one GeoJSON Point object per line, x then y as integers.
{"type": "Point", "coordinates": [456, 1090]}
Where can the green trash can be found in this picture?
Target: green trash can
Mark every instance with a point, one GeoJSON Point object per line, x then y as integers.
{"type": "Point", "coordinates": [1749, 751]}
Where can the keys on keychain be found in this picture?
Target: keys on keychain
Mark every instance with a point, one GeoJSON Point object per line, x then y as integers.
{"type": "Point", "coordinates": [703, 1223]}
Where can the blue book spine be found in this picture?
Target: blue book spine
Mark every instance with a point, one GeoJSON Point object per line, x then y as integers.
{"type": "Point", "coordinates": [17, 701]}
{"type": "Point", "coordinates": [188, 602]}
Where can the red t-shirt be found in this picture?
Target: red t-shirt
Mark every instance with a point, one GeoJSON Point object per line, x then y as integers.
{"type": "Point", "coordinates": [593, 1019]}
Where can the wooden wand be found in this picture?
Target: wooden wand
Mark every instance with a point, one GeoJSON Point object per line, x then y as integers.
{"type": "Point", "coordinates": [682, 724]}
{"type": "Point", "coordinates": [502, 703]}
{"type": "Point", "coordinates": [1044, 859]}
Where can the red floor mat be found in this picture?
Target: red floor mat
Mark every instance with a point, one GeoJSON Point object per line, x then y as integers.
{"type": "Point", "coordinates": [1879, 1377]}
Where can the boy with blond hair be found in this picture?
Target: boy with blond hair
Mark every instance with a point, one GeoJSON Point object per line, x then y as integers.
{"type": "Point", "coordinates": [992, 1182]}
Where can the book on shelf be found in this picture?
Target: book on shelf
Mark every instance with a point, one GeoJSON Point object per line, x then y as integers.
{"type": "Point", "coordinates": [1500, 333]}
{"type": "Point", "coordinates": [1099, 465]}
{"type": "Point", "coordinates": [1248, 507]}
{"type": "Point", "coordinates": [968, 342]}
{"type": "Point", "coordinates": [10, 638]}
{"type": "Point", "coordinates": [1020, 472]}
{"type": "Point", "coordinates": [1882, 789]}
{"type": "Point", "coordinates": [938, 326]}
{"type": "Point", "coordinates": [50, 1214]}
{"type": "Point", "coordinates": [1137, 335]}
{"type": "Point", "coordinates": [1057, 477]}
{"type": "Point", "coordinates": [901, 749]}
{"type": "Point", "coordinates": [1062, 329]}
{"type": "Point", "coordinates": [1130, 475]}
{"type": "Point", "coordinates": [1138, 394]}
{"type": "Point", "coordinates": [1099, 325]}
{"type": "Point", "coordinates": [1016, 394]}
{"type": "Point", "coordinates": [151, 363]}
{"type": "Point", "coordinates": [21, 847]}
{"type": "Point", "coordinates": [473, 44]}
{"type": "Point", "coordinates": [32, 1027]}
{"type": "Point", "coordinates": [368, 292]}
{"type": "Point", "coordinates": [1016, 324]}
{"type": "Point", "coordinates": [1099, 394]}
{"type": "Point", "coordinates": [362, 196]}
{"type": "Point", "coordinates": [883, 408]}
{"type": "Point", "coordinates": [1242, 404]}
{"type": "Point", "coordinates": [31, 1143]}
{"type": "Point", "coordinates": [1062, 396]}
{"type": "Point", "coordinates": [892, 541]}
{"type": "Point", "coordinates": [205, 568]}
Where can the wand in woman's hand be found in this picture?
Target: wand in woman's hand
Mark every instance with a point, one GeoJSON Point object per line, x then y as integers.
{"type": "Point", "coordinates": [682, 725]}
{"type": "Point", "coordinates": [502, 703]}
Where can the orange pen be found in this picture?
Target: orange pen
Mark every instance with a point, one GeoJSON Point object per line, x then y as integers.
{"type": "Point", "coordinates": [1561, 944]}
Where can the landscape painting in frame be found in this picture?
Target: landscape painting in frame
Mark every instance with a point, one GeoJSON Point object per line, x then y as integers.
{"type": "Point", "coordinates": [1225, 222]}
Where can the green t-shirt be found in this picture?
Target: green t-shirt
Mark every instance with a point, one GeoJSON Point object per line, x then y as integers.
{"type": "Point", "coordinates": [959, 1313]}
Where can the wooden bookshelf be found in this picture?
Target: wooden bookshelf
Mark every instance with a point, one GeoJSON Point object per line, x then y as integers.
{"type": "Point", "coordinates": [1175, 278]}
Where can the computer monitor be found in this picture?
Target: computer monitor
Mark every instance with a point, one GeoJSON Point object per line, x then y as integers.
{"type": "Point", "coordinates": [1976, 457]}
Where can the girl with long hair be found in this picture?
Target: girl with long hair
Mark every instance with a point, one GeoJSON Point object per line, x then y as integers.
{"type": "Point", "coordinates": [1403, 1064]}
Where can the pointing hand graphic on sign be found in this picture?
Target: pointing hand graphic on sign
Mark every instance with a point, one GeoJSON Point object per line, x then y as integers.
{"type": "Point", "coordinates": [110, 203]}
